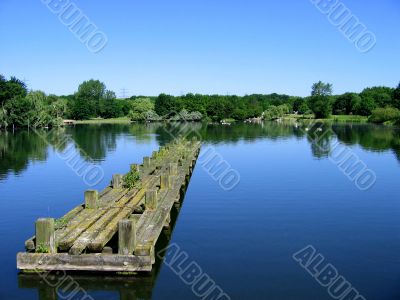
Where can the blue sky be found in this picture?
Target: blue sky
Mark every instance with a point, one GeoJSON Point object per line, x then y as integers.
{"type": "Point", "coordinates": [208, 46]}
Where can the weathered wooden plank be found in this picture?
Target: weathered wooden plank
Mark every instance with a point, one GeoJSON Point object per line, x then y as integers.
{"type": "Point", "coordinates": [151, 223]}
{"type": "Point", "coordinates": [67, 238]}
{"type": "Point", "coordinates": [105, 235]}
{"type": "Point", "coordinates": [146, 216]}
{"type": "Point", "coordinates": [83, 240]}
{"type": "Point", "coordinates": [102, 217]}
{"type": "Point", "coordinates": [84, 262]}
{"type": "Point", "coordinates": [156, 221]}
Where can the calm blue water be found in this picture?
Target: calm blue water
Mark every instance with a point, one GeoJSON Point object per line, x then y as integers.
{"type": "Point", "coordinates": [290, 195]}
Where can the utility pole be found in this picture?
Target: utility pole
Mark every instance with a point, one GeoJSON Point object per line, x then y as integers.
{"type": "Point", "coordinates": [124, 93]}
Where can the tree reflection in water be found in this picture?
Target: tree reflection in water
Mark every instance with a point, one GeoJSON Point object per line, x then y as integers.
{"type": "Point", "coordinates": [94, 142]}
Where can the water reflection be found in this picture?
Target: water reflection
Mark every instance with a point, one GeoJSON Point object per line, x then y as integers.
{"type": "Point", "coordinates": [19, 149]}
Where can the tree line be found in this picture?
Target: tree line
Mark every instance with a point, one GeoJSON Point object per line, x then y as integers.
{"type": "Point", "coordinates": [381, 104]}
{"type": "Point", "coordinates": [22, 108]}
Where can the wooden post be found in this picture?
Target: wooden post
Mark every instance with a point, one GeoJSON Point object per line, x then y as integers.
{"type": "Point", "coordinates": [91, 199]}
{"type": "Point", "coordinates": [165, 181]}
{"type": "Point", "coordinates": [107, 250]}
{"type": "Point", "coordinates": [117, 181]}
{"type": "Point", "coordinates": [151, 200]}
{"type": "Point", "coordinates": [45, 237]}
{"type": "Point", "coordinates": [146, 162]}
{"type": "Point", "coordinates": [167, 221]}
{"type": "Point", "coordinates": [173, 168]}
{"type": "Point", "coordinates": [126, 237]}
{"type": "Point", "coordinates": [144, 250]}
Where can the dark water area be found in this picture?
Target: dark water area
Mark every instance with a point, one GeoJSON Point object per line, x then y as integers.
{"type": "Point", "coordinates": [291, 194]}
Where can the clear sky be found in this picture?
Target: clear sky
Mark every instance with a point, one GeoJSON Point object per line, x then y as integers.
{"type": "Point", "coordinates": [200, 46]}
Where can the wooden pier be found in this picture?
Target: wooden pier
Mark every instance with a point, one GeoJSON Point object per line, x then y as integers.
{"type": "Point", "coordinates": [116, 229]}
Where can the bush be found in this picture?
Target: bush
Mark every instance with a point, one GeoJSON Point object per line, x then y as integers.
{"type": "Point", "coordinates": [147, 116]}
{"type": "Point", "coordinates": [382, 115]}
{"type": "Point", "coordinates": [151, 116]}
{"type": "Point", "coordinates": [276, 112]}
{"type": "Point", "coordinates": [184, 115]}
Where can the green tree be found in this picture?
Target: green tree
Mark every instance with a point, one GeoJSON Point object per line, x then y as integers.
{"type": "Point", "coordinates": [93, 100]}
{"type": "Point", "coordinates": [365, 106]}
{"type": "Point", "coordinates": [142, 105]}
{"type": "Point", "coordinates": [346, 104]}
{"type": "Point", "coordinates": [321, 89]}
{"type": "Point", "coordinates": [396, 97]}
{"type": "Point", "coordinates": [11, 89]}
{"type": "Point", "coordinates": [89, 94]}
{"type": "Point", "coordinates": [3, 118]}
{"type": "Point", "coordinates": [304, 108]}
{"type": "Point", "coordinates": [139, 108]}
{"type": "Point", "coordinates": [297, 103]}
{"type": "Point", "coordinates": [320, 100]}
{"type": "Point", "coordinates": [387, 114]}
{"type": "Point", "coordinates": [382, 96]}
{"type": "Point", "coordinates": [165, 104]}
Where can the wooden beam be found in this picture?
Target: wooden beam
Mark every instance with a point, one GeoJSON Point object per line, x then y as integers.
{"type": "Point", "coordinates": [84, 262]}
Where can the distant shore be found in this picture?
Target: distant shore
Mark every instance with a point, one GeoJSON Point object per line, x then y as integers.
{"type": "Point", "coordinates": [122, 120]}
{"type": "Point", "coordinates": [333, 118]}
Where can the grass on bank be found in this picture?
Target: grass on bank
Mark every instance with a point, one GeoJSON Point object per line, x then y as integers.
{"type": "Point", "coordinates": [122, 120]}
{"type": "Point", "coordinates": [332, 118]}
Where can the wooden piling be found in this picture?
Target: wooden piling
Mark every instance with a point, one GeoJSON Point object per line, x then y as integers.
{"type": "Point", "coordinates": [146, 162]}
{"type": "Point", "coordinates": [151, 200]}
{"type": "Point", "coordinates": [45, 236]}
{"type": "Point", "coordinates": [165, 181]}
{"type": "Point", "coordinates": [91, 199]}
{"type": "Point", "coordinates": [167, 221]}
{"type": "Point", "coordinates": [117, 181]}
{"type": "Point", "coordinates": [107, 250]}
{"type": "Point", "coordinates": [126, 236]}
{"type": "Point", "coordinates": [173, 168]}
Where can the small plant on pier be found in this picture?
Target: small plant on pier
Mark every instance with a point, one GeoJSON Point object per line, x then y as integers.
{"type": "Point", "coordinates": [61, 222]}
{"type": "Point", "coordinates": [41, 248]}
{"type": "Point", "coordinates": [132, 179]}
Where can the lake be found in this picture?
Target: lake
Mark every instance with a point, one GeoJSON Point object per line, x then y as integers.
{"type": "Point", "coordinates": [291, 194]}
